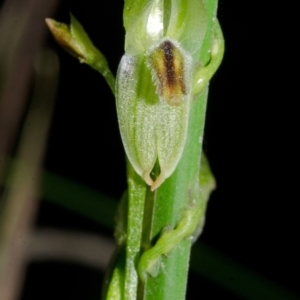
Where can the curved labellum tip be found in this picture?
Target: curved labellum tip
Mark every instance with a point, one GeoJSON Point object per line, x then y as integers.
{"type": "Point", "coordinates": [147, 178]}
{"type": "Point", "coordinates": [159, 180]}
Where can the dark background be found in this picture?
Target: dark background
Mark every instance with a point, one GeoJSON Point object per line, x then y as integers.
{"type": "Point", "coordinates": [252, 217]}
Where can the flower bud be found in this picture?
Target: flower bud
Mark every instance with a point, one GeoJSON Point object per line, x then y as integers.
{"type": "Point", "coordinates": [76, 42]}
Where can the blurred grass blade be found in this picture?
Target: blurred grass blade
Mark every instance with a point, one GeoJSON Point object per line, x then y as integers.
{"type": "Point", "coordinates": [80, 199]}
{"type": "Point", "coordinates": [19, 199]}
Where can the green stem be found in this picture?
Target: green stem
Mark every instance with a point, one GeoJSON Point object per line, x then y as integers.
{"type": "Point", "coordinates": [136, 198]}
{"type": "Point", "coordinates": [104, 71]}
{"type": "Point", "coordinates": [176, 194]}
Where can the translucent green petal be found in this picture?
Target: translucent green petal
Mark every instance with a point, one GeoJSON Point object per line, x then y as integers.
{"type": "Point", "coordinates": [187, 24]}
{"type": "Point", "coordinates": [136, 107]}
{"type": "Point", "coordinates": [145, 28]}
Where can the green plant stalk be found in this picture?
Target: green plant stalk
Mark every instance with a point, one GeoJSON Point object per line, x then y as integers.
{"type": "Point", "coordinates": [170, 199]}
{"type": "Point", "coordinates": [136, 199]}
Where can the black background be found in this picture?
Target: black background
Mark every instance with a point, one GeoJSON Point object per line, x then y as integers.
{"type": "Point", "coordinates": [252, 216]}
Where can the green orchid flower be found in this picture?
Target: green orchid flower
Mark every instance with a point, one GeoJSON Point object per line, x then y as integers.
{"type": "Point", "coordinates": [154, 82]}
